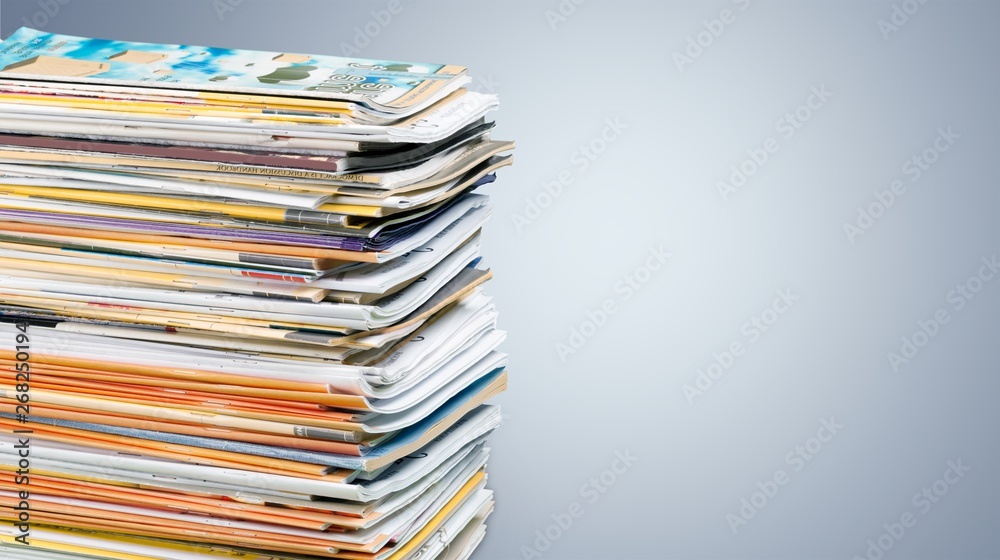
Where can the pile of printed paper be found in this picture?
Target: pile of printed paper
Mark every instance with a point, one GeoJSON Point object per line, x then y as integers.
{"type": "Point", "coordinates": [241, 304]}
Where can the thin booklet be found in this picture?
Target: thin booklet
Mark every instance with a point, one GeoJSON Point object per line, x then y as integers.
{"type": "Point", "coordinates": [385, 86]}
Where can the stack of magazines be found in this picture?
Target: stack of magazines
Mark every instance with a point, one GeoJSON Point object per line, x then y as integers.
{"type": "Point", "coordinates": [241, 306]}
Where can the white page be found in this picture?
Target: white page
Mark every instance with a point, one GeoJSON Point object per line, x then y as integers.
{"type": "Point", "coordinates": [48, 454]}
{"type": "Point", "coordinates": [96, 180]}
{"type": "Point", "coordinates": [436, 124]}
{"type": "Point", "coordinates": [342, 378]}
{"type": "Point", "coordinates": [418, 408]}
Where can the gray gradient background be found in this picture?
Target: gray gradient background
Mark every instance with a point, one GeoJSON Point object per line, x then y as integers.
{"type": "Point", "coordinates": [826, 356]}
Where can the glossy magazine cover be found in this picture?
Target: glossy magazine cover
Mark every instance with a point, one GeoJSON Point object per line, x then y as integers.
{"type": "Point", "coordinates": [33, 54]}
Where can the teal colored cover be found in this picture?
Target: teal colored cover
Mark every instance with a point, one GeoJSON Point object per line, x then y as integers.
{"type": "Point", "coordinates": [33, 54]}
